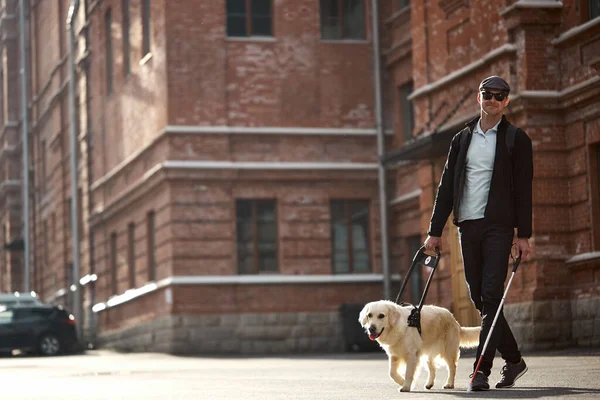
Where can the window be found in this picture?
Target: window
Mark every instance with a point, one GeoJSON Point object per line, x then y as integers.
{"type": "Point", "coordinates": [145, 27]}
{"type": "Point", "coordinates": [342, 19]}
{"type": "Point", "coordinates": [45, 238]}
{"type": "Point", "coordinates": [31, 314]}
{"type": "Point", "coordinates": [256, 229]}
{"type": "Point", "coordinates": [79, 216]}
{"type": "Point", "coordinates": [67, 218]}
{"type": "Point", "coordinates": [350, 236]}
{"type": "Point", "coordinates": [126, 47]}
{"type": "Point", "coordinates": [590, 9]}
{"type": "Point", "coordinates": [43, 167]}
{"type": "Point", "coordinates": [80, 213]}
{"type": "Point", "coordinates": [151, 245]}
{"type": "Point", "coordinates": [594, 9]}
{"type": "Point", "coordinates": [595, 190]}
{"type": "Point", "coordinates": [413, 244]}
{"type": "Point", "coordinates": [2, 96]}
{"type": "Point", "coordinates": [131, 254]}
{"type": "Point", "coordinates": [249, 18]}
{"type": "Point", "coordinates": [113, 264]}
{"type": "Point", "coordinates": [403, 3]}
{"type": "Point", "coordinates": [406, 110]}
{"type": "Point", "coordinates": [109, 51]}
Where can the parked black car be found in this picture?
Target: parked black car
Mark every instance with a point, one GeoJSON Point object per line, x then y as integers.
{"type": "Point", "coordinates": [45, 329]}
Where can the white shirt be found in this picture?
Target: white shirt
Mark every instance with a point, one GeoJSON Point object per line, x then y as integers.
{"type": "Point", "coordinates": [478, 174]}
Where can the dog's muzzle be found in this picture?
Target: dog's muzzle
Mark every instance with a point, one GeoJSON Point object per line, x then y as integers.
{"type": "Point", "coordinates": [373, 334]}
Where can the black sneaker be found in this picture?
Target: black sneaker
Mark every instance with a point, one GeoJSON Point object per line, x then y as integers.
{"type": "Point", "coordinates": [480, 382]}
{"type": "Point", "coordinates": [510, 373]}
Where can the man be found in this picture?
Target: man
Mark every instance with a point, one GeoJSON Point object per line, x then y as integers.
{"type": "Point", "coordinates": [489, 187]}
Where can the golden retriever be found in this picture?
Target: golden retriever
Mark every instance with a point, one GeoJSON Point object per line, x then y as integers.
{"type": "Point", "coordinates": [442, 337]}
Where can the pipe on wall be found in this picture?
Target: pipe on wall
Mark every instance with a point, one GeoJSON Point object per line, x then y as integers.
{"type": "Point", "coordinates": [381, 172]}
{"type": "Point", "coordinates": [25, 141]}
{"type": "Point", "coordinates": [75, 287]}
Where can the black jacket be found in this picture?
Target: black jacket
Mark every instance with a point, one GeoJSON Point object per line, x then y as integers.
{"type": "Point", "coordinates": [506, 205]}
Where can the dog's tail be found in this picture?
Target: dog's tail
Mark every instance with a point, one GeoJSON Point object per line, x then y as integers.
{"type": "Point", "coordinates": [469, 337]}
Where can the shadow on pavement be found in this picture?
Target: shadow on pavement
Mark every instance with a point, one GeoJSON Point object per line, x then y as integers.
{"type": "Point", "coordinates": [523, 393]}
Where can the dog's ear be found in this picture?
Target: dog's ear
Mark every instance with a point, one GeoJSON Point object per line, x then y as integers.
{"type": "Point", "coordinates": [393, 314]}
{"type": "Point", "coordinates": [362, 317]}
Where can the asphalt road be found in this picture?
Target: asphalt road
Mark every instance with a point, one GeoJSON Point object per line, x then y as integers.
{"type": "Point", "coordinates": [572, 374]}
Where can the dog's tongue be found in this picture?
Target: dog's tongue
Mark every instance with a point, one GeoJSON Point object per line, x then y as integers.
{"type": "Point", "coordinates": [372, 336]}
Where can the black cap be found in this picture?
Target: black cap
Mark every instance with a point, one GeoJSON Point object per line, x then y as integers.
{"type": "Point", "coordinates": [494, 82]}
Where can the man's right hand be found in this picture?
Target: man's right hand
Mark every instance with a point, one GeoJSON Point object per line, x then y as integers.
{"type": "Point", "coordinates": [432, 242]}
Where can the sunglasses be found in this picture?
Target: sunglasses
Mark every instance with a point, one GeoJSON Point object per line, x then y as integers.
{"type": "Point", "coordinates": [489, 95]}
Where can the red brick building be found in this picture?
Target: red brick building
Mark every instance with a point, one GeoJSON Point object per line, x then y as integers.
{"type": "Point", "coordinates": [228, 190]}
{"type": "Point", "coordinates": [548, 51]}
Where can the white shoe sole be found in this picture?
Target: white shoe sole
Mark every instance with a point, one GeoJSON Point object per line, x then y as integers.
{"type": "Point", "coordinates": [515, 381]}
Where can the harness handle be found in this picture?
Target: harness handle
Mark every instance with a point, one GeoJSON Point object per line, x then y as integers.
{"type": "Point", "coordinates": [420, 258]}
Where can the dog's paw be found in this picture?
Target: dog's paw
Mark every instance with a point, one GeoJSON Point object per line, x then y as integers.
{"type": "Point", "coordinates": [448, 386]}
{"type": "Point", "coordinates": [404, 389]}
{"type": "Point", "coordinates": [429, 386]}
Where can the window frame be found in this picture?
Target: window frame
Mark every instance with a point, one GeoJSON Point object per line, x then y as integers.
{"type": "Point", "coordinates": [248, 16]}
{"type": "Point", "coordinates": [341, 23]}
{"type": "Point", "coordinates": [350, 246]}
{"type": "Point", "coordinates": [256, 260]}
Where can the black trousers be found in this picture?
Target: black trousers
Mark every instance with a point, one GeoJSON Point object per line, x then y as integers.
{"type": "Point", "coordinates": [485, 250]}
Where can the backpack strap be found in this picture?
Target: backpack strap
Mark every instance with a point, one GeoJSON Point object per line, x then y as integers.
{"type": "Point", "coordinates": [511, 131]}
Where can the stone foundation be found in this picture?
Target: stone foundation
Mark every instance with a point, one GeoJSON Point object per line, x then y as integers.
{"type": "Point", "coordinates": [536, 325]}
{"type": "Point", "coordinates": [550, 324]}
{"type": "Point", "coordinates": [275, 333]}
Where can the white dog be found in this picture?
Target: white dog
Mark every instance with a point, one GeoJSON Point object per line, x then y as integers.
{"type": "Point", "coordinates": [442, 336]}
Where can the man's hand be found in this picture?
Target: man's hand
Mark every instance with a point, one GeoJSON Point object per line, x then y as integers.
{"type": "Point", "coordinates": [432, 242]}
{"type": "Point", "coordinates": [523, 248]}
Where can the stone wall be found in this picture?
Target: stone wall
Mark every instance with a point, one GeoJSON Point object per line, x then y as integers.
{"type": "Point", "coordinates": [272, 333]}
{"type": "Point", "coordinates": [541, 325]}
{"type": "Point", "coordinates": [585, 315]}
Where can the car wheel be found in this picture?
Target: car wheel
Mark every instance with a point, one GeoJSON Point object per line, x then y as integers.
{"type": "Point", "coordinates": [49, 344]}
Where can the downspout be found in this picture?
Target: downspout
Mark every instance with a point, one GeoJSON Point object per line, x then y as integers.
{"type": "Point", "coordinates": [92, 316]}
{"type": "Point", "coordinates": [380, 152]}
{"type": "Point", "coordinates": [75, 287]}
{"type": "Point", "coordinates": [25, 141]}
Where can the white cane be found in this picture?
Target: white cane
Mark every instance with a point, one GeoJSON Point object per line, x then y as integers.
{"type": "Point", "coordinates": [487, 340]}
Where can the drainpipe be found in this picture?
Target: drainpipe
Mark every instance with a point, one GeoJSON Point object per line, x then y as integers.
{"type": "Point", "coordinates": [75, 287]}
{"type": "Point", "coordinates": [380, 152]}
{"type": "Point", "coordinates": [25, 141]}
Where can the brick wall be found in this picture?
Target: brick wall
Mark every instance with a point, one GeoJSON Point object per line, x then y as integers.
{"type": "Point", "coordinates": [196, 77]}
{"type": "Point", "coordinates": [523, 45]}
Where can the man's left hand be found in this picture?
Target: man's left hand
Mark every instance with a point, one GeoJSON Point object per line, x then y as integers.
{"type": "Point", "coordinates": [523, 248]}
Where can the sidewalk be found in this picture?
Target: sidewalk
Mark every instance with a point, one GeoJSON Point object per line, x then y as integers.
{"type": "Point", "coordinates": [552, 374]}
{"type": "Point", "coordinates": [105, 375]}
